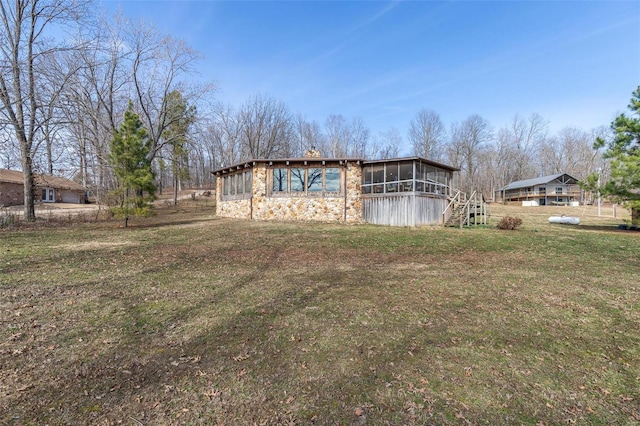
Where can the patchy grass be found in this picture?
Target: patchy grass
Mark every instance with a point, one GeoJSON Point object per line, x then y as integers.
{"type": "Point", "coordinates": [185, 318]}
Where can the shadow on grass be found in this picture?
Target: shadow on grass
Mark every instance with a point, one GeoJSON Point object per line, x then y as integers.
{"type": "Point", "coordinates": [296, 353]}
{"type": "Point", "coordinates": [597, 228]}
{"type": "Point", "coordinates": [168, 223]}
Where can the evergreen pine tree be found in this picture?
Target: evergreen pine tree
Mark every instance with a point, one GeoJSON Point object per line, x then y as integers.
{"type": "Point", "coordinates": [180, 117]}
{"type": "Point", "coordinates": [130, 147]}
{"type": "Point", "coordinates": [624, 152]}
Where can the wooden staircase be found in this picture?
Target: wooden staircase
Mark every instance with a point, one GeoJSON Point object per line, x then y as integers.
{"type": "Point", "coordinates": [465, 211]}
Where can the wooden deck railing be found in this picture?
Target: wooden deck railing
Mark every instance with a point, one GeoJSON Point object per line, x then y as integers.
{"type": "Point", "coordinates": [531, 194]}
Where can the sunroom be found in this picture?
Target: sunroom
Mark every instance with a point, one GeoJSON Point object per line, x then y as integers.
{"type": "Point", "coordinates": [401, 192]}
{"type": "Point", "coordinates": [309, 189]}
{"type": "Point", "coordinates": [405, 192]}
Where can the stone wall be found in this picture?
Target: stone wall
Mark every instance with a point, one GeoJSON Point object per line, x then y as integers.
{"type": "Point", "coordinates": [239, 208]}
{"type": "Point", "coordinates": [300, 208]}
{"type": "Point", "coordinates": [354, 193]}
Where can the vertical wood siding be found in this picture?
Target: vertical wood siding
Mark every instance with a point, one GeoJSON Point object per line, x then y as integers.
{"type": "Point", "coordinates": [403, 210]}
{"type": "Point", "coordinates": [429, 210]}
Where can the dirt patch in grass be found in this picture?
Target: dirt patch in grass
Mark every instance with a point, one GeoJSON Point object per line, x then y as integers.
{"type": "Point", "coordinates": [185, 318]}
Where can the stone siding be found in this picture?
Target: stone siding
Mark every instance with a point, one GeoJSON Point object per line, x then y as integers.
{"type": "Point", "coordinates": [299, 208]}
{"type": "Point", "coordinates": [239, 208]}
{"type": "Point", "coordinates": [354, 193]}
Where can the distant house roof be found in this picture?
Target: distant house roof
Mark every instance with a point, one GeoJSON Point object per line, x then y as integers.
{"type": "Point", "coordinates": [12, 176]}
{"type": "Point", "coordinates": [539, 181]}
{"type": "Point", "coordinates": [49, 181]}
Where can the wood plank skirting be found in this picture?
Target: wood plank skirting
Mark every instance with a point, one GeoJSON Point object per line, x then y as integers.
{"type": "Point", "coordinates": [404, 209]}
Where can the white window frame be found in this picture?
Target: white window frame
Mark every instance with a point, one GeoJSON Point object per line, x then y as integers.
{"type": "Point", "coordinates": [48, 195]}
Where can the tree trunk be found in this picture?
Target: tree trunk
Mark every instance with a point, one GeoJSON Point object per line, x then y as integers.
{"type": "Point", "coordinates": [635, 216]}
{"type": "Point", "coordinates": [29, 190]}
{"type": "Point", "coordinates": [175, 190]}
{"type": "Point", "coordinates": [49, 146]}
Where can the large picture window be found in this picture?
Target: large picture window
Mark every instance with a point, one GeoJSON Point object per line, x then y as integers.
{"type": "Point", "coordinates": [300, 181]}
{"type": "Point", "coordinates": [280, 180]}
{"type": "Point", "coordinates": [332, 179]}
{"type": "Point", "coordinates": [314, 181]}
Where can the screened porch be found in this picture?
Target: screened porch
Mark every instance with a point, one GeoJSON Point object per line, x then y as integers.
{"type": "Point", "coordinates": [406, 175]}
{"type": "Point", "coordinates": [405, 192]}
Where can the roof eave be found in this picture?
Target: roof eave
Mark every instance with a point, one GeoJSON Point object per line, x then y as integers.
{"type": "Point", "coordinates": [271, 161]}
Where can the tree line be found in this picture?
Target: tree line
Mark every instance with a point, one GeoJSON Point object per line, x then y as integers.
{"type": "Point", "coordinates": [64, 100]}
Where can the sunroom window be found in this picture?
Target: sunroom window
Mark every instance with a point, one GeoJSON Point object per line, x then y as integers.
{"type": "Point", "coordinates": [279, 180]}
{"type": "Point", "coordinates": [297, 179]}
{"type": "Point", "coordinates": [332, 179]}
{"type": "Point", "coordinates": [237, 185]}
{"type": "Point", "coordinates": [316, 181]}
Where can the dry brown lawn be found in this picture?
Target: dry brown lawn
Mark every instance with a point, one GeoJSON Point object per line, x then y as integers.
{"type": "Point", "coordinates": [185, 318]}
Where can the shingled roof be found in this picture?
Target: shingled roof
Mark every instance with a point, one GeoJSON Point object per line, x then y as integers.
{"type": "Point", "coordinates": [48, 181]}
{"type": "Point", "coordinates": [11, 176]}
{"type": "Point", "coordinates": [536, 181]}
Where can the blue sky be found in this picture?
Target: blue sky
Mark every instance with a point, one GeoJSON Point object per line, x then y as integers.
{"type": "Point", "coordinates": [574, 63]}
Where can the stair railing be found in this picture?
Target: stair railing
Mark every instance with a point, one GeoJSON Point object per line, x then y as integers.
{"type": "Point", "coordinates": [466, 211]}
{"type": "Point", "coordinates": [446, 213]}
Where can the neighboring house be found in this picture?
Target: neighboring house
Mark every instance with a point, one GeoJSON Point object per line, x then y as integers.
{"type": "Point", "coordinates": [403, 192]}
{"type": "Point", "coordinates": [559, 189]}
{"type": "Point", "coordinates": [49, 189]}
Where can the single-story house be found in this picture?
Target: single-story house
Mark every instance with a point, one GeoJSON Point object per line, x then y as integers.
{"type": "Point", "coordinates": [558, 189]}
{"type": "Point", "coordinates": [403, 191]}
{"type": "Point", "coordinates": [49, 189]}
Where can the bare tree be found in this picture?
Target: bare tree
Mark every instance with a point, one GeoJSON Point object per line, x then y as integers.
{"type": "Point", "coordinates": [347, 139]}
{"type": "Point", "coordinates": [306, 135]}
{"type": "Point", "coordinates": [569, 151]}
{"type": "Point", "coordinates": [338, 135]}
{"type": "Point", "coordinates": [468, 140]}
{"type": "Point", "coordinates": [427, 135]}
{"type": "Point", "coordinates": [95, 101]}
{"type": "Point", "coordinates": [524, 137]}
{"type": "Point", "coordinates": [9, 152]}
{"type": "Point", "coordinates": [52, 123]}
{"type": "Point", "coordinates": [358, 146]}
{"type": "Point", "coordinates": [159, 65]}
{"type": "Point", "coordinates": [125, 60]}
{"type": "Point", "coordinates": [23, 50]}
{"type": "Point", "coordinates": [387, 144]}
{"type": "Point", "coordinates": [222, 136]}
{"type": "Point", "coordinates": [266, 127]}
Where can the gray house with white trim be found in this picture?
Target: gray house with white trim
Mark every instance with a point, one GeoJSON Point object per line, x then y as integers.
{"type": "Point", "coordinates": [558, 189]}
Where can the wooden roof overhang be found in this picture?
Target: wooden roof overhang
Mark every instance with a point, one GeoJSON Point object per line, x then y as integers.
{"type": "Point", "coordinates": [285, 162]}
